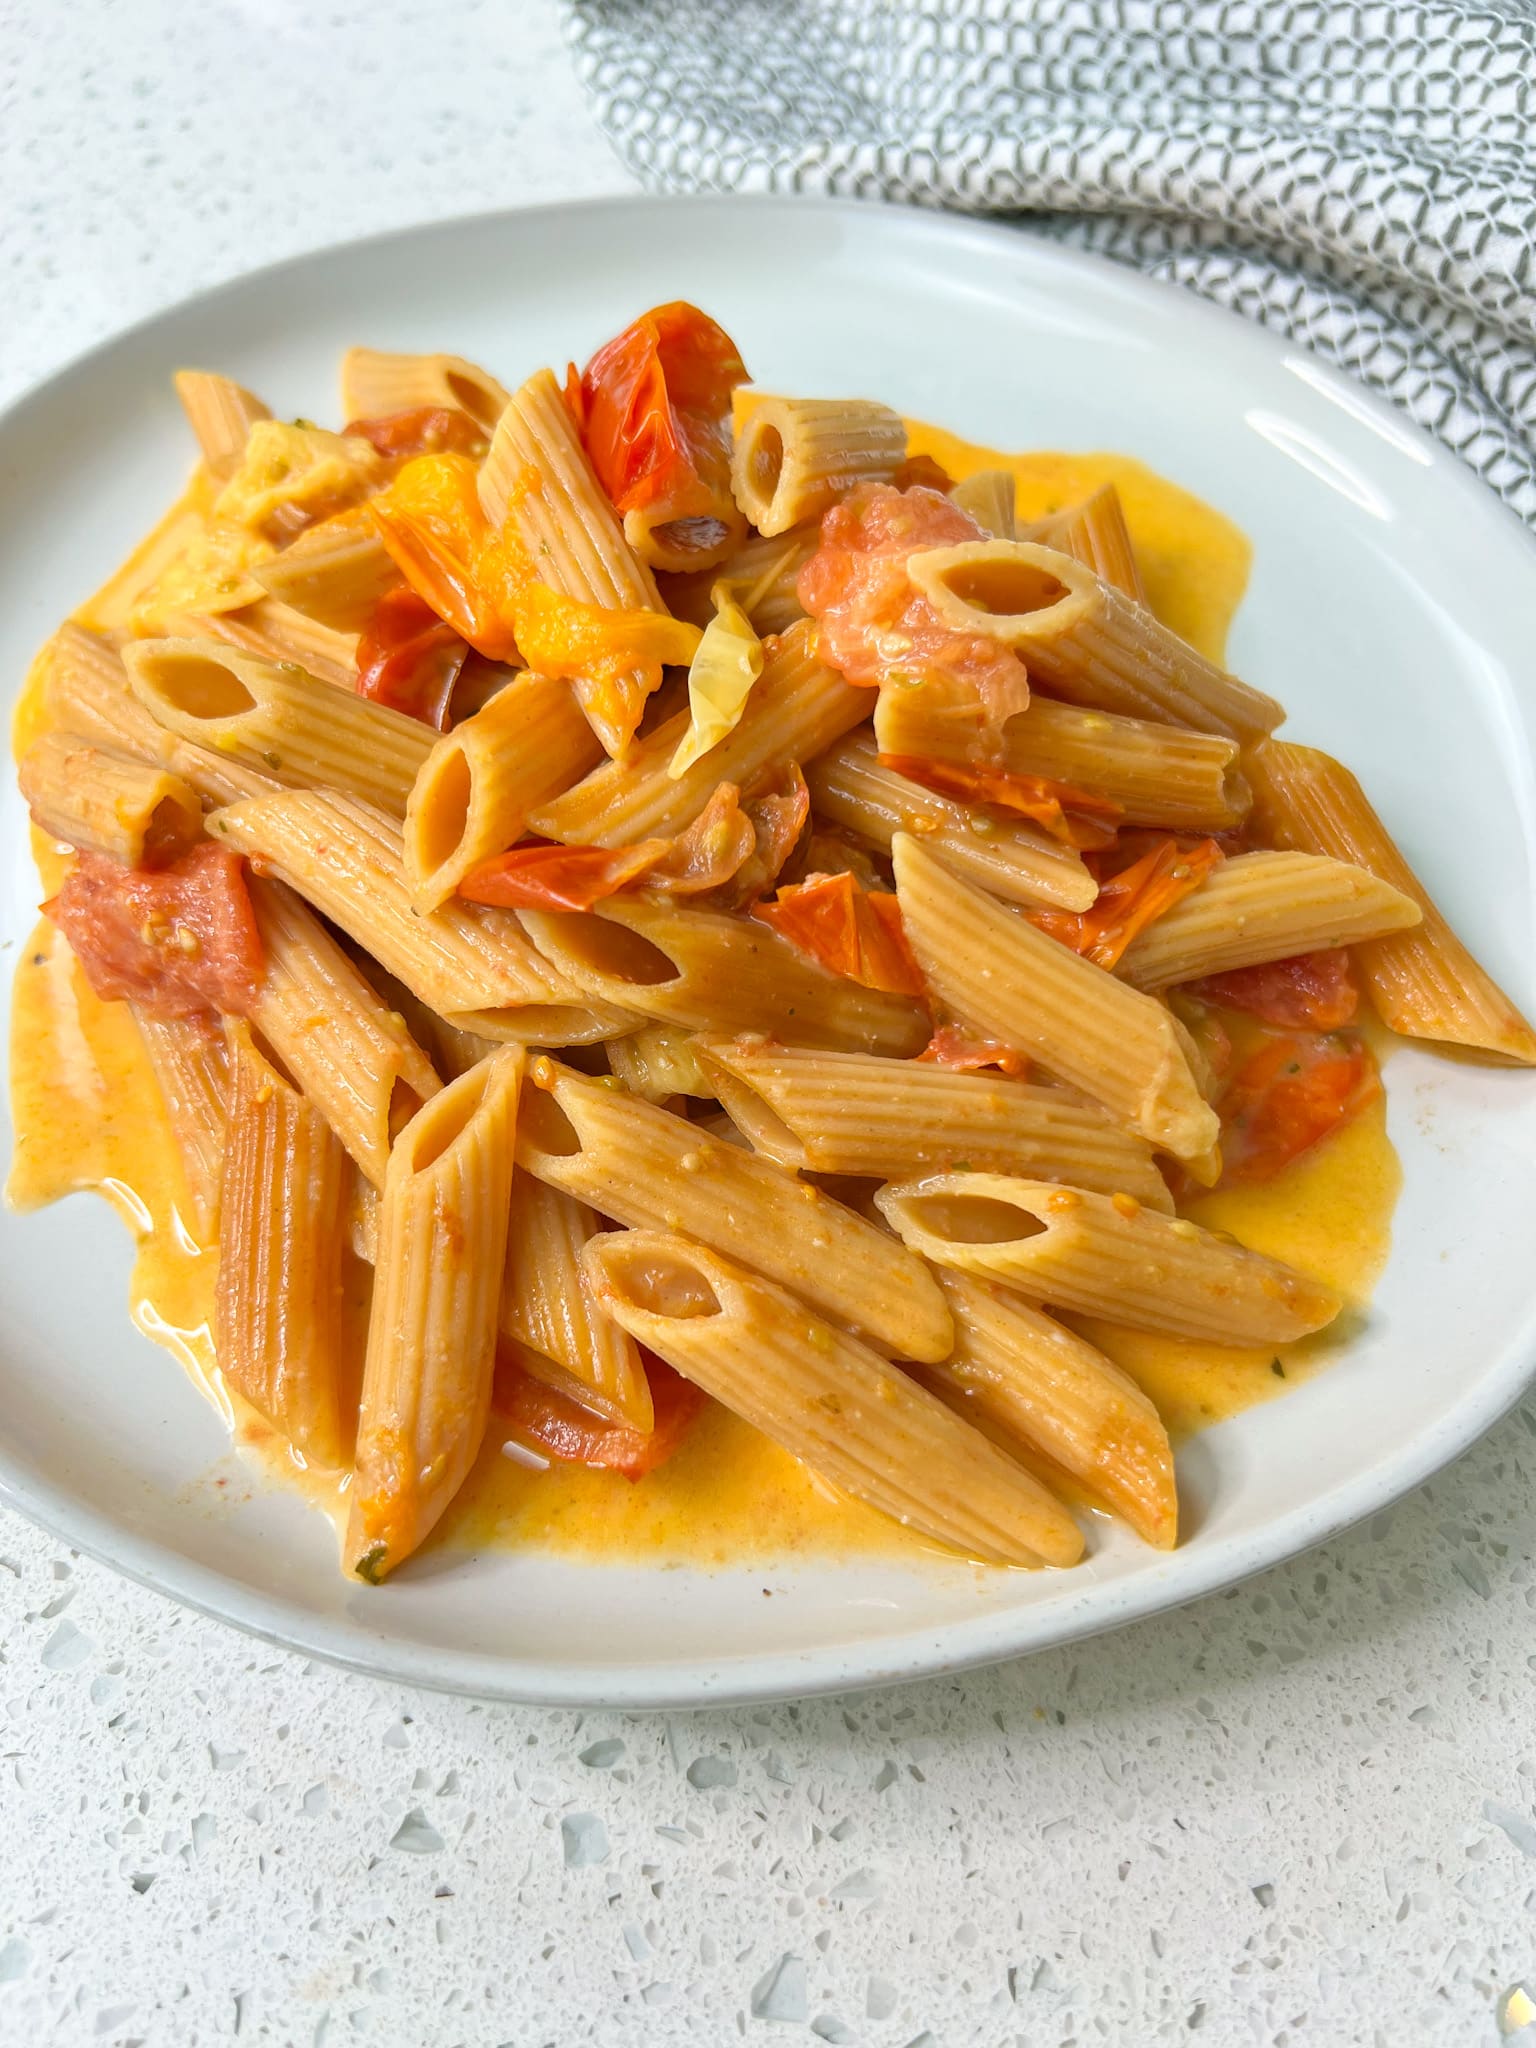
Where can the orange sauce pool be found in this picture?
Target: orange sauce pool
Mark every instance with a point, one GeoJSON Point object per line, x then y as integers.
{"type": "Point", "coordinates": [88, 1116]}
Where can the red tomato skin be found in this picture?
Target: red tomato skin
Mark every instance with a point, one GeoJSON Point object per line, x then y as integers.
{"type": "Point", "coordinates": [1294, 1092]}
{"type": "Point", "coordinates": [543, 1419]}
{"type": "Point", "coordinates": [1308, 992]}
{"type": "Point", "coordinates": [408, 659]}
{"type": "Point", "coordinates": [653, 406]}
{"type": "Point", "coordinates": [425, 430]}
{"type": "Point", "coordinates": [181, 941]}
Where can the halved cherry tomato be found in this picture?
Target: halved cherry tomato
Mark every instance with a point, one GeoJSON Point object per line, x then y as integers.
{"type": "Point", "coordinates": [181, 940]}
{"type": "Point", "coordinates": [1294, 1092]}
{"type": "Point", "coordinates": [875, 628]}
{"type": "Point", "coordinates": [408, 659]}
{"type": "Point", "coordinates": [540, 876]}
{"type": "Point", "coordinates": [1310, 991]}
{"type": "Point", "coordinates": [850, 931]}
{"type": "Point", "coordinates": [653, 408]}
{"type": "Point", "coordinates": [426, 430]}
{"type": "Point", "coordinates": [544, 1420]}
{"type": "Point", "coordinates": [1130, 900]}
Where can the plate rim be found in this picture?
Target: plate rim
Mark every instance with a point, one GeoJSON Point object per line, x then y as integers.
{"type": "Point", "coordinates": [924, 1652]}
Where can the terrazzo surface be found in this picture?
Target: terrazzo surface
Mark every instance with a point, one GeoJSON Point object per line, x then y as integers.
{"type": "Point", "coordinates": [1301, 1813]}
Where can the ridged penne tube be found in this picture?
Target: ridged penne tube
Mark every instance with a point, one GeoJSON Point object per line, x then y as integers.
{"type": "Point", "coordinates": [828, 1399]}
{"type": "Point", "coordinates": [352, 1056]}
{"type": "Point", "coordinates": [334, 573]}
{"type": "Point", "coordinates": [1094, 533]}
{"type": "Point", "coordinates": [1423, 981]}
{"type": "Point", "coordinates": [652, 1170]}
{"type": "Point", "coordinates": [1012, 983]}
{"type": "Point", "coordinates": [375, 383]}
{"type": "Point", "coordinates": [87, 691]}
{"type": "Point", "coordinates": [713, 972]}
{"type": "Point", "coordinates": [548, 1310]}
{"type": "Point", "coordinates": [1157, 774]}
{"type": "Point", "coordinates": [1264, 906]}
{"type": "Point", "coordinates": [848, 1112]}
{"type": "Point", "coordinates": [278, 718]}
{"type": "Point", "coordinates": [1101, 1257]}
{"type": "Point", "coordinates": [1017, 861]}
{"type": "Point", "coordinates": [1050, 1391]}
{"type": "Point", "coordinates": [1082, 639]}
{"type": "Point", "coordinates": [101, 801]}
{"type": "Point", "coordinates": [191, 1069]}
{"type": "Point", "coordinates": [474, 790]}
{"type": "Point", "coordinates": [279, 1327]}
{"type": "Point", "coordinates": [471, 964]}
{"type": "Point", "coordinates": [442, 1249]}
{"type": "Point", "coordinates": [221, 414]}
{"type": "Point", "coordinates": [762, 575]}
{"type": "Point", "coordinates": [989, 496]}
{"type": "Point", "coordinates": [274, 632]}
{"type": "Point", "coordinates": [537, 481]}
{"type": "Point", "coordinates": [658, 1062]}
{"type": "Point", "coordinates": [796, 456]}
{"type": "Point", "coordinates": [797, 709]}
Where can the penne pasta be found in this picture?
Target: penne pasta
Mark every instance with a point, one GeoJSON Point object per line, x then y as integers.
{"type": "Point", "coordinates": [279, 1323]}
{"type": "Point", "coordinates": [191, 1070]}
{"type": "Point", "coordinates": [101, 801]}
{"type": "Point", "coordinates": [442, 1247]}
{"type": "Point", "coordinates": [1012, 983]}
{"type": "Point", "coordinates": [473, 965]}
{"type": "Point", "coordinates": [1094, 533]}
{"type": "Point", "coordinates": [334, 573]}
{"type": "Point", "coordinates": [1049, 1391]}
{"type": "Point", "coordinates": [221, 414]}
{"type": "Point", "coordinates": [652, 1170]}
{"type": "Point", "coordinates": [1156, 774]}
{"type": "Point", "coordinates": [1083, 640]}
{"type": "Point", "coordinates": [275, 717]}
{"type": "Point", "coordinates": [710, 971]}
{"type": "Point", "coordinates": [660, 1061]}
{"type": "Point", "coordinates": [990, 498]}
{"type": "Point", "coordinates": [537, 481]}
{"type": "Point", "coordinates": [1423, 981]}
{"type": "Point", "coordinates": [796, 456]}
{"type": "Point", "coordinates": [1264, 906]}
{"type": "Point", "coordinates": [353, 1057]}
{"type": "Point", "coordinates": [851, 787]}
{"type": "Point", "coordinates": [1106, 1257]}
{"type": "Point", "coordinates": [272, 632]}
{"type": "Point", "coordinates": [375, 383]}
{"type": "Point", "coordinates": [797, 709]}
{"type": "Point", "coordinates": [474, 790]}
{"type": "Point", "coordinates": [849, 1112]}
{"type": "Point", "coordinates": [549, 1312]}
{"type": "Point", "coordinates": [828, 1399]}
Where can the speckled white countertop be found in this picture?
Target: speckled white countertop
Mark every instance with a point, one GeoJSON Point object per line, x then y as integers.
{"type": "Point", "coordinates": [1302, 1813]}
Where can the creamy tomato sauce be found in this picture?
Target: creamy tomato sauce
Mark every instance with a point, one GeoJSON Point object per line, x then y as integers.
{"type": "Point", "coordinates": [88, 1116]}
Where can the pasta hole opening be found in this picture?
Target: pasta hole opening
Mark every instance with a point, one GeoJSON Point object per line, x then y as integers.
{"type": "Point", "coordinates": [600, 945]}
{"type": "Point", "coordinates": [1004, 589]}
{"type": "Point", "coordinates": [483, 406]}
{"type": "Point", "coordinates": [173, 825]}
{"type": "Point", "coordinates": [443, 1121]}
{"type": "Point", "coordinates": [545, 1127]}
{"type": "Point", "coordinates": [403, 1105]}
{"type": "Point", "coordinates": [444, 817]}
{"type": "Point", "coordinates": [973, 1219]}
{"type": "Point", "coordinates": [198, 687]}
{"type": "Point", "coordinates": [268, 1053]}
{"type": "Point", "coordinates": [662, 1283]}
{"type": "Point", "coordinates": [765, 460]}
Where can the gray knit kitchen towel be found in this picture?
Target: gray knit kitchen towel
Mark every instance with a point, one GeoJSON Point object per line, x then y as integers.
{"type": "Point", "coordinates": [1360, 177]}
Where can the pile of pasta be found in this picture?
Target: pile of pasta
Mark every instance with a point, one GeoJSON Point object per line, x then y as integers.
{"type": "Point", "coordinates": [698, 899]}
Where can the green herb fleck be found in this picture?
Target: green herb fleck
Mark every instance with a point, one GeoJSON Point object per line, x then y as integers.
{"type": "Point", "coordinates": [1277, 1368]}
{"type": "Point", "coordinates": [369, 1566]}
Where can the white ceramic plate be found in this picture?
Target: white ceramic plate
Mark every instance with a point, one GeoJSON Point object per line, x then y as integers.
{"type": "Point", "coordinates": [1390, 607]}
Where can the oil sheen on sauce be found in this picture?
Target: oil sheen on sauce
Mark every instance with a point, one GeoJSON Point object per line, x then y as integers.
{"type": "Point", "coordinates": [87, 1115]}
